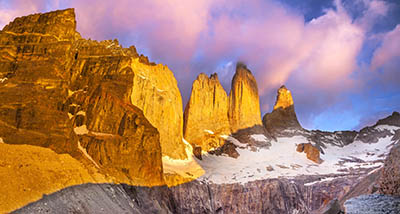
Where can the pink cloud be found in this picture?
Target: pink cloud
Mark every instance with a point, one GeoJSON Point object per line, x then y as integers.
{"type": "Point", "coordinates": [322, 52]}
{"type": "Point", "coordinates": [170, 28]}
{"type": "Point", "coordinates": [276, 42]}
{"type": "Point", "coordinates": [389, 49]}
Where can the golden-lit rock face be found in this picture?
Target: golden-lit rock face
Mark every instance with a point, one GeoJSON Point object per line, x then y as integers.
{"type": "Point", "coordinates": [155, 91]}
{"type": "Point", "coordinates": [284, 98]}
{"type": "Point", "coordinates": [311, 151]}
{"type": "Point", "coordinates": [206, 114]}
{"type": "Point", "coordinates": [87, 99]}
{"type": "Point", "coordinates": [244, 104]}
{"type": "Point", "coordinates": [283, 117]}
{"type": "Point", "coordinates": [27, 172]}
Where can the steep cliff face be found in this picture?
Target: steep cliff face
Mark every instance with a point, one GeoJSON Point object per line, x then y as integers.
{"type": "Point", "coordinates": [206, 114]}
{"type": "Point", "coordinates": [150, 87]}
{"type": "Point", "coordinates": [155, 91]}
{"type": "Point", "coordinates": [76, 97]}
{"type": "Point", "coordinates": [283, 117]}
{"type": "Point", "coordinates": [34, 82]}
{"type": "Point", "coordinates": [119, 139]}
{"type": "Point", "coordinates": [389, 182]}
{"type": "Point", "coordinates": [244, 105]}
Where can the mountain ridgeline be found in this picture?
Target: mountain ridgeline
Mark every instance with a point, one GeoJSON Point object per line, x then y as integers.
{"type": "Point", "coordinates": [92, 127]}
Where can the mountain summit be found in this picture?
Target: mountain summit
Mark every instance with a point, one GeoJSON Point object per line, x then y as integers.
{"type": "Point", "coordinates": [206, 113]}
{"type": "Point", "coordinates": [283, 117]}
{"type": "Point", "coordinates": [244, 104]}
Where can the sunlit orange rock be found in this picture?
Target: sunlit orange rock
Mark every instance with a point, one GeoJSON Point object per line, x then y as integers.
{"type": "Point", "coordinates": [206, 114]}
{"type": "Point", "coordinates": [27, 172]}
{"type": "Point", "coordinates": [311, 151]}
{"type": "Point", "coordinates": [77, 97]}
{"type": "Point", "coordinates": [284, 98]}
{"type": "Point", "coordinates": [244, 104]}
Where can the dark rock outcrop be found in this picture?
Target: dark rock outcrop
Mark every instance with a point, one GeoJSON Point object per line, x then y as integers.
{"type": "Point", "coordinates": [105, 198]}
{"type": "Point", "coordinates": [283, 117]}
{"type": "Point", "coordinates": [389, 182]}
{"type": "Point", "coordinates": [373, 204]}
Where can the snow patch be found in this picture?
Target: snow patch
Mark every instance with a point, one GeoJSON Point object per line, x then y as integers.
{"type": "Point", "coordinates": [186, 168]}
{"type": "Point", "coordinates": [3, 79]}
{"type": "Point", "coordinates": [81, 130]}
{"type": "Point", "coordinates": [282, 160]}
{"type": "Point", "coordinates": [259, 137]}
{"type": "Point", "coordinates": [392, 129]}
{"type": "Point", "coordinates": [83, 150]}
{"type": "Point", "coordinates": [208, 131]}
{"type": "Point", "coordinates": [1, 140]}
{"type": "Point", "coordinates": [235, 142]}
{"type": "Point", "coordinates": [319, 181]}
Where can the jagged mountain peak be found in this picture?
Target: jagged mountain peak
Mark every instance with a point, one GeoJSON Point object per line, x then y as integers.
{"type": "Point", "coordinates": [284, 98]}
{"type": "Point", "coordinates": [60, 24]}
{"type": "Point", "coordinates": [206, 113]}
{"type": "Point", "coordinates": [283, 117]}
{"type": "Point", "coordinates": [243, 74]}
{"type": "Point", "coordinates": [244, 103]}
{"type": "Point", "coordinates": [393, 120]}
{"type": "Point", "coordinates": [204, 77]}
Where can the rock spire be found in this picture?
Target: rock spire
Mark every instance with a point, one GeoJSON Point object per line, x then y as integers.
{"type": "Point", "coordinates": [244, 104]}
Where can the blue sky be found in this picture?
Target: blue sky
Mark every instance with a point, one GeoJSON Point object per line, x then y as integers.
{"type": "Point", "coordinates": [340, 59]}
